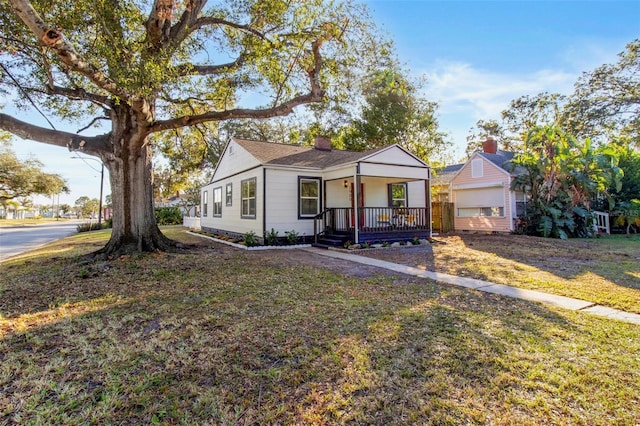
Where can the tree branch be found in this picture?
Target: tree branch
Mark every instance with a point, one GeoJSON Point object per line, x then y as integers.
{"type": "Point", "coordinates": [79, 94]}
{"type": "Point", "coordinates": [211, 21]}
{"type": "Point", "coordinates": [92, 122]}
{"type": "Point", "coordinates": [91, 145]}
{"type": "Point", "coordinates": [54, 39]}
{"type": "Point", "coordinates": [183, 28]}
{"type": "Point", "coordinates": [315, 94]}
{"type": "Point", "coordinates": [159, 23]}
{"type": "Point", "coordinates": [190, 69]}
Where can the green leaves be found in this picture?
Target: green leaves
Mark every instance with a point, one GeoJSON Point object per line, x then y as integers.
{"type": "Point", "coordinates": [392, 113]}
{"type": "Point", "coordinates": [564, 178]}
{"type": "Point", "coordinates": [25, 178]}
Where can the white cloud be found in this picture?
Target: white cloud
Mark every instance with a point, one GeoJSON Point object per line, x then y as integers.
{"type": "Point", "coordinates": [466, 94]}
{"type": "Point", "coordinates": [458, 87]}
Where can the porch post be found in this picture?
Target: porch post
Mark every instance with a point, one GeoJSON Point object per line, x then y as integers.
{"type": "Point", "coordinates": [356, 206]}
{"type": "Point", "coordinates": [427, 188]}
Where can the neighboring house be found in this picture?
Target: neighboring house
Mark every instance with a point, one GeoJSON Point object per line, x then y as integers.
{"type": "Point", "coordinates": [186, 207]}
{"type": "Point", "coordinates": [263, 186]}
{"type": "Point", "coordinates": [481, 191]}
{"type": "Point", "coordinates": [441, 183]}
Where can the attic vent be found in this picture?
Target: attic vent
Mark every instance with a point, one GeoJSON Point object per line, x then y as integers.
{"type": "Point", "coordinates": [230, 149]}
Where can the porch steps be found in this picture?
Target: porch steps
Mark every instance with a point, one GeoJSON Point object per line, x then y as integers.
{"type": "Point", "coordinates": [333, 240]}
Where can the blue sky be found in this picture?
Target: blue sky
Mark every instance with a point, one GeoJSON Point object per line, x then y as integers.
{"type": "Point", "coordinates": [477, 56]}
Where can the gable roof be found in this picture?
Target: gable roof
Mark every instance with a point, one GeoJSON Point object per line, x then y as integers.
{"type": "Point", "coordinates": [301, 156]}
{"type": "Point", "coordinates": [501, 159]}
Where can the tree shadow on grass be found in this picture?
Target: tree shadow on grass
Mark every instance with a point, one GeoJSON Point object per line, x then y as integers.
{"type": "Point", "coordinates": [566, 259]}
{"type": "Point", "coordinates": [268, 340]}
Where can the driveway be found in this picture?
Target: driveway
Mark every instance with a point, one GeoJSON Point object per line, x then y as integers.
{"type": "Point", "coordinates": [15, 240]}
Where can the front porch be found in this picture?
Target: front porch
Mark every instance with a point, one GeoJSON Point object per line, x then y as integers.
{"type": "Point", "coordinates": [334, 226]}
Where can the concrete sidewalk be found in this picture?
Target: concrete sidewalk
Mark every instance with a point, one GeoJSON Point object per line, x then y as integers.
{"type": "Point", "coordinates": [486, 286]}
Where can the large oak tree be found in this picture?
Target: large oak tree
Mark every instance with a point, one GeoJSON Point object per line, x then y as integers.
{"type": "Point", "coordinates": [148, 67]}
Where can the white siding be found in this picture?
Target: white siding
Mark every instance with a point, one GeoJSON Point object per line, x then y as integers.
{"type": "Point", "coordinates": [340, 172]}
{"type": "Point", "coordinates": [235, 159]}
{"type": "Point", "coordinates": [230, 219]}
{"type": "Point", "coordinates": [395, 171]}
{"type": "Point", "coordinates": [394, 155]}
{"type": "Point", "coordinates": [337, 195]}
{"type": "Point", "coordinates": [376, 192]}
{"type": "Point", "coordinates": [282, 202]}
{"type": "Point", "coordinates": [416, 193]}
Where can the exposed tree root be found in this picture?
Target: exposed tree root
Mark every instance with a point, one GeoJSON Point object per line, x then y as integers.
{"type": "Point", "coordinates": [122, 246]}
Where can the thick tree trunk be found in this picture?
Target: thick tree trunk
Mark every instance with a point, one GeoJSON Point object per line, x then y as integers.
{"type": "Point", "coordinates": [131, 174]}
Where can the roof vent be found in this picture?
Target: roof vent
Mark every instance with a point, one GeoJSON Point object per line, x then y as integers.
{"type": "Point", "coordinates": [490, 146]}
{"type": "Point", "coordinates": [322, 143]}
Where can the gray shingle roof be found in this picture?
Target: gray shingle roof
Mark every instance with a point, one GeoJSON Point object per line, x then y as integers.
{"type": "Point", "coordinates": [300, 156]}
{"type": "Point", "coordinates": [503, 159]}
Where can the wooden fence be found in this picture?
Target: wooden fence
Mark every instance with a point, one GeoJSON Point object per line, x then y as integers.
{"type": "Point", "coordinates": [442, 216]}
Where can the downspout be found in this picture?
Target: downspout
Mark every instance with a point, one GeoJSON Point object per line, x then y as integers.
{"type": "Point", "coordinates": [356, 203]}
{"type": "Point", "coordinates": [429, 203]}
{"type": "Point", "coordinates": [264, 203]}
{"type": "Point", "coordinates": [512, 206]}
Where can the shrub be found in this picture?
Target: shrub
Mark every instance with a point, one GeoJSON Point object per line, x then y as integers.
{"type": "Point", "coordinates": [292, 237]}
{"type": "Point", "coordinates": [251, 239]}
{"type": "Point", "coordinates": [271, 237]}
{"type": "Point", "coordinates": [89, 226]}
{"type": "Point", "coordinates": [168, 216]}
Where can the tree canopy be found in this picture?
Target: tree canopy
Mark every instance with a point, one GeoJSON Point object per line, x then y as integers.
{"type": "Point", "coordinates": [393, 112]}
{"type": "Point", "coordinates": [21, 179]}
{"type": "Point", "coordinates": [563, 177]}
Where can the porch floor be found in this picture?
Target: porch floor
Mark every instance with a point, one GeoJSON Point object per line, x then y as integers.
{"type": "Point", "coordinates": [339, 238]}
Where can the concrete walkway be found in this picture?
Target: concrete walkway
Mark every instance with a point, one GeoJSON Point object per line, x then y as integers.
{"type": "Point", "coordinates": [489, 287]}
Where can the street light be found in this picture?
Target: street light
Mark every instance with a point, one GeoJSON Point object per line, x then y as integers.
{"type": "Point", "coordinates": [101, 182]}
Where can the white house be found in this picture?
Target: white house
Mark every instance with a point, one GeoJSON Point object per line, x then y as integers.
{"type": "Point", "coordinates": [263, 186]}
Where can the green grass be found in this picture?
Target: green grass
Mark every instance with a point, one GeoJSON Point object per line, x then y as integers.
{"type": "Point", "coordinates": [221, 336]}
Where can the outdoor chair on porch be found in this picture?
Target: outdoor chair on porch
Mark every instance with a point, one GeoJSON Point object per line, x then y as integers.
{"type": "Point", "coordinates": [410, 221]}
{"type": "Point", "coordinates": [383, 220]}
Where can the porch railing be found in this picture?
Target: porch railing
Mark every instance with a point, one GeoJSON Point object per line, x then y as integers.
{"type": "Point", "coordinates": [371, 219]}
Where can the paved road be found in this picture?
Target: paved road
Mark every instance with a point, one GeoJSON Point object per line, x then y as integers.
{"type": "Point", "coordinates": [18, 239]}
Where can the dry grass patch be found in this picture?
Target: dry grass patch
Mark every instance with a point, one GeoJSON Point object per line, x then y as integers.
{"type": "Point", "coordinates": [604, 270]}
{"type": "Point", "coordinates": [215, 335]}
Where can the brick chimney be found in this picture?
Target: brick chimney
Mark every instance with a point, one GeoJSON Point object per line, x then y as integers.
{"type": "Point", "coordinates": [322, 143]}
{"type": "Point", "coordinates": [490, 146]}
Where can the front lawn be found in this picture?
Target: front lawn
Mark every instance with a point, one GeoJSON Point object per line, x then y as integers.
{"type": "Point", "coordinates": [217, 335]}
{"type": "Point", "coordinates": [602, 270]}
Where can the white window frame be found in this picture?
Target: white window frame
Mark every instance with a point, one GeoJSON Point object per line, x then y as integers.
{"type": "Point", "coordinates": [301, 197]}
{"type": "Point", "coordinates": [496, 211]}
{"type": "Point", "coordinates": [205, 203]}
{"type": "Point", "coordinates": [229, 195]}
{"type": "Point", "coordinates": [246, 200]}
{"type": "Point", "coordinates": [404, 200]}
{"type": "Point", "coordinates": [217, 202]}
